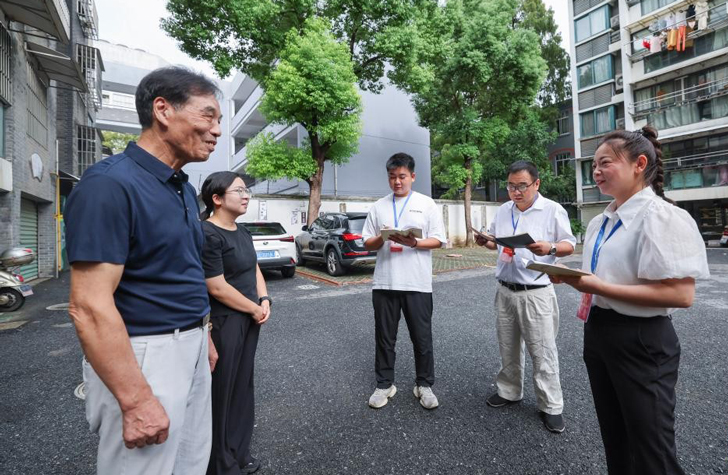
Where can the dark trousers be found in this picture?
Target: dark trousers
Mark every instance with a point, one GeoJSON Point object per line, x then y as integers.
{"type": "Point", "coordinates": [389, 305]}
{"type": "Point", "coordinates": [632, 364]}
{"type": "Point", "coordinates": [233, 405]}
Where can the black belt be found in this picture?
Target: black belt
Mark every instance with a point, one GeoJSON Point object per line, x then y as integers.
{"type": "Point", "coordinates": [196, 324]}
{"type": "Point", "coordinates": [520, 287]}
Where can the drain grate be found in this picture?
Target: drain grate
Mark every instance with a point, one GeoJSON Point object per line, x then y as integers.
{"type": "Point", "coordinates": [58, 306]}
{"type": "Point", "coordinates": [80, 391]}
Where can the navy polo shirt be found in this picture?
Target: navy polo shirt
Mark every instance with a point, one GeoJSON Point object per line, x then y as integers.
{"type": "Point", "coordinates": [134, 210]}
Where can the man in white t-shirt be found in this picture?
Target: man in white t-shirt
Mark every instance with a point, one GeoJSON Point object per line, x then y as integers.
{"type": "Point", "coordinates": [403, 279]}
{"type": "Point", "coordinates": [527, 313]}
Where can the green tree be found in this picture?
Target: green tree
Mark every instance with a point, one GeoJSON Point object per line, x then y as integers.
{"type": "Point", "coordinates": [253, 35]}
{"type": "Point", "coordinates": [117, 141]}
{"type": "Point", "coordinates": [476, 78]}
{"type": "Point", "coordinates": [533, 15]}
{"type": "Point", "coordinates": [314, 85]}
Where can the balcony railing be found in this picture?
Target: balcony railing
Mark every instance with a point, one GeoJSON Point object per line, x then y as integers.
{"type": "Point", "coordinates": [717, 20]}
{"type": "Point", "coordinates": [699, 92]}
{"type": "Point", "coordinates": [88, 17]}
{"type": "Point", "coordinates": [700, 170]}
{"type": "Point", "coordinates": [89, 59]}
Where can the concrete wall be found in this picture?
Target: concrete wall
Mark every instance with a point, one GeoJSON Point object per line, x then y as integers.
{"type": "Point", "coordinates": [289, 211]}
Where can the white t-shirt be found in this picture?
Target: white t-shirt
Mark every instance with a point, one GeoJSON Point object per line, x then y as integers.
{"type": "Point", "coordinates": [410, 269]}
{"type": "Point", "coordinates": [656, 241]}
{"type": "Point", "coordinates": [545, 220]}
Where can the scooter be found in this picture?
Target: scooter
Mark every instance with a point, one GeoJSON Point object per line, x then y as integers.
{"type": "Point", "coordinates": [13, 289]}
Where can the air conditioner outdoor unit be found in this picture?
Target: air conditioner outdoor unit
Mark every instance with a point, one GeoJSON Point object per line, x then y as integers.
{"type": "Point", "coordinates": [618, 83]}
{"type": "Point", "coordinates": [615, 22]}
{"type": "Point", "coordinates": [620, 124]}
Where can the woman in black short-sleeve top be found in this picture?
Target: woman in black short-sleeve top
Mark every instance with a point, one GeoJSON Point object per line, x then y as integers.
{"type": "Point", "coordinates": [239, 305]}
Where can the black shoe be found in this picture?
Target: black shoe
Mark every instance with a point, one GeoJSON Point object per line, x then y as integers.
{"type": "Point", "coordinates": [496, 401]}
{"type": "Point", "coordinates": [553, 422]}
{"type": "Point", "coordinates": [250, 467]}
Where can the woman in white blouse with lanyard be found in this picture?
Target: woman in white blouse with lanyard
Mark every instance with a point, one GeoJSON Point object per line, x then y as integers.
{"type": "Point", "coordinates": [644, 254]}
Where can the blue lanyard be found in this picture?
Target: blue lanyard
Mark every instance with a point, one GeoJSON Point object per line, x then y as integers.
{"type": "Point", "coordinates": [598, 243]}
{"type": "Point", "coordinates": [394, 209]}
{"type": "Point", "coordinates": [515, 222]}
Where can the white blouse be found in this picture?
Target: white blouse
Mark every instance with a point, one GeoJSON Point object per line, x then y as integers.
{"type": "Point", "coordinates": [656, 241]}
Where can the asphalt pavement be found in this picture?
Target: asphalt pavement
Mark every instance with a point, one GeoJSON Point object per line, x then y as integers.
{"type": "Point", "coordinates": [314, 375]}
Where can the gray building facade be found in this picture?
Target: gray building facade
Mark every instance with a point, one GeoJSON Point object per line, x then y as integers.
{"type": "Point", "coordinates": [33, 72]}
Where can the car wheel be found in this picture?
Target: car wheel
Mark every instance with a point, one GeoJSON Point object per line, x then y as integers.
{"type": "Point", "coordinates": [333, 266]}
{"type": "Point", "coordinates": [12, 300]}
{"type": "Point", "coordinates": [288, 272]}
{"type": "Point", "coordinates": [300, 261]}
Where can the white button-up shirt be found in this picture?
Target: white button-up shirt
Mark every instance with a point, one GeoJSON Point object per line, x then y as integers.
{"type": "Point", "coordinates": [545, 220]}
{"type": "Point", "coordinates": [656, 241]}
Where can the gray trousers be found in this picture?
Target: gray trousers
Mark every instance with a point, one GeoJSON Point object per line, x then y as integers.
{"type": "Point", "coordinates": [529, 319]}
{"type": "Point", "coordinates": [177, 369]}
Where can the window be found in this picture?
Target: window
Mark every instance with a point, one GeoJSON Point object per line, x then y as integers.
{"type": "Point", "coordinates": [86, 146]}
{"type": "Point", "coordinates": [596, 72]}
{"type": "Point", "coordinates": [37, 108]}
{"type": "Point", "coordinates": [6, 83]}
{"type": "Point", "coordinates": [598, 122]}
{"type": "Point", "coordinates": [587, 178]}
{"type": "Point", "coordinates": [652, 5]}
{"type": "Point", "coordinates": [592, 23]}
{"type": "Point", "coordinates": [561, 162]}
{"type": "Point", "coordinates": [563, 123]}
{"type": "Point", "coordinates": [89, 58]}
{"type": "Point", "coordinates": [120, 100]}
{"type": "Point", "coordinates": [2, 131]}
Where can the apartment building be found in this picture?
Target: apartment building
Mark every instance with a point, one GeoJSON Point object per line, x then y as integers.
{"type": "Point", "coordinates": [389, 126]}
{"type": "Point", "coordinates": [39, 66]}
{"type": "Point", "coordinates": [662, 63]}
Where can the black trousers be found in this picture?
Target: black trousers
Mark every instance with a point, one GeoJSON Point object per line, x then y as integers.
{"type": "Point", "coordinates": [633, 364]}
{"type": "Point", "coordinates": [389, 305]}
{"type": "Point", "coordinates": [233, 404]}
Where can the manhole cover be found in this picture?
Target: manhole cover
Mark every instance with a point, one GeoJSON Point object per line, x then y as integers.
{"type": "Point", "coordinates": [80, 391]}
{"type": "Point", "coordinates": [307, 287]}
{"type": "Point", "coordinates": [58, 306]}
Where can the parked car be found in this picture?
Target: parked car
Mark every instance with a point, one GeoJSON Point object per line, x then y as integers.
{"type": "Point", "coordinates": [334, 239]}
{"type": "Point", "coordinates": [275, 247]}
{"type": "Point", "coordinates": [724, 237]}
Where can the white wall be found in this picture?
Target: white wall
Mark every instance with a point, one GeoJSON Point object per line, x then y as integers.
{"type": "Point", "coordinates": [288, 211]}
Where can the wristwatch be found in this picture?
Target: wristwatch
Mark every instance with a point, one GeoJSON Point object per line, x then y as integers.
{"type": "Point", "coordinates": [265, 297]}
{"type": "Point", "coordinates": [552, 251]}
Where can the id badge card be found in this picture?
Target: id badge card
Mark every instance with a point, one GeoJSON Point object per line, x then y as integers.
{"type": "Point", "coordinates": [507, 254]}
{"type": "Point", "coordinates": [394, 247]}
{"type": "Point", "coordinates": [585, 307]}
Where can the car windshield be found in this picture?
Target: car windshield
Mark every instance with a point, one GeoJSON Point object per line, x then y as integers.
{"type": "Point", "coordinates": [264, 229]}
{"type": "Point", "coordinates": [356, 225]}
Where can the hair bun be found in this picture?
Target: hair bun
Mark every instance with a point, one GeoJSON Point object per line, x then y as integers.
{"type": "Point", "coordinates": [649, 133]}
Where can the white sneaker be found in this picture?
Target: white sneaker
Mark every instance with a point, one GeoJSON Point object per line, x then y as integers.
{"type": "Point", "coordinates": [426, 396]}
{"type": "Point", "coordinates": [380, 397]}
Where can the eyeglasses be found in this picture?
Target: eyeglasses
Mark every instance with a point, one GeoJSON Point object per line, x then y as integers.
{"type": "Point", "coordinates": [242, 192]}
{"type": "Point", "coordinates": [520, 187]}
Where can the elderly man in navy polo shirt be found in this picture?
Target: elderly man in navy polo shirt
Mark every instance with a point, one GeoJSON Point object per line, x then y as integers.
{"type": "Point", "coordinates": [138, 295]}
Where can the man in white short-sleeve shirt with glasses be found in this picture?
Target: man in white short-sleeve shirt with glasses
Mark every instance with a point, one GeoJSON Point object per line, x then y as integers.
{"type": "Point", "coordinates": [403, 279]}
{"type": "Point", "coordinates": [527, 313]}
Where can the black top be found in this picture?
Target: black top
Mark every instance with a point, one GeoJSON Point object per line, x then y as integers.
{"type": "Point", "coordinates": [134, 210]}
{"type": "Point", "coordinates": [230, 253]}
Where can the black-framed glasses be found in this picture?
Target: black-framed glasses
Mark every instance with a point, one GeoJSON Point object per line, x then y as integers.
{"type": "Point", "coordinates": [242, 192]}
{"type": "Point", "coordinates": [521, 187]}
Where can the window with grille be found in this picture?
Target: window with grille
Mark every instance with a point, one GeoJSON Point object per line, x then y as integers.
{"type": "Point", "coordinates": [6, 83]}
{"type": "Point", "coordinates": [86, 146]}
{"type": "Point", "coordinates": [37, 108]}
{"type": "Point", "coordinates": [561, 162]}
{"type": "Point", "coordinates": [119, 100]}
{"type": "Point", "coordinates": [89, 18]}
{"type": "Point", "coordinates": [87, 58]}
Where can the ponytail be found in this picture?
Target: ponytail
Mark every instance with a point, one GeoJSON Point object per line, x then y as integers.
{"type": "Point", "coordinates": [656, 169]}
{"type": "Point", "coordinates": [205, 215]}
{"type": "Point", "coordinates": [642, 142]}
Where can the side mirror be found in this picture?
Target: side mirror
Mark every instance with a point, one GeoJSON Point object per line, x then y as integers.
{"type": "Point", "coordinates": [304, 228]}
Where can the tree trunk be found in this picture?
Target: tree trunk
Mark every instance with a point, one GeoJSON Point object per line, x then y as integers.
{"type": "Point", "coordinates": [315, 183]}
{"type": "Point", "coordinates": [468, 197]}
